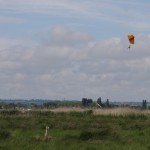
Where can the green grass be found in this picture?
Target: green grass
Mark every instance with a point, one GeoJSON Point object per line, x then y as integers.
{"type": "Point", "coordinates": [73, 131]}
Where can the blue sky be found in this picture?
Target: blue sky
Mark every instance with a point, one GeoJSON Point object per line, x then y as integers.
{"type": "Point", "coordinates": [99, 18]}
{"type": "Point", "coordinates": [73, 49]}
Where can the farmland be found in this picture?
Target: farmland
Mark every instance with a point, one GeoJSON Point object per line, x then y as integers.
{"type": "Point", "coordinates": [72, 129]}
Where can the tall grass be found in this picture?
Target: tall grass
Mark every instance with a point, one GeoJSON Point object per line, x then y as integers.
{"type": "Point", "coordinates": [121, 111]}
{"type": "Point", "coordinates": [107, 129]}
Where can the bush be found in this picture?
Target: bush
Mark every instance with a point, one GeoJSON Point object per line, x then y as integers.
{"type": "Point", "coordinates": [101, 134]}
{"type": "Point", "coordinates": [4, 134]}
{"type": "Point", "coordinates": [96, 134]}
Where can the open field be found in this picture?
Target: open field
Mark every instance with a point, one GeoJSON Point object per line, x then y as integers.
{"type": "Point", "coordinates": [75, 129]}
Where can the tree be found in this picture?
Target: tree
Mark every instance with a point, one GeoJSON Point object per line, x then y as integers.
{"type": "Point", "coordinates": [144, 104]}
{"type": "Point", "coordinates": [99, 101]}
{"type": "Point", "coordinates": [89, 101]}
{"type": "Point", "coordinates": [86, 102]}
{"type": "Point", "coordinates": [107, 103]}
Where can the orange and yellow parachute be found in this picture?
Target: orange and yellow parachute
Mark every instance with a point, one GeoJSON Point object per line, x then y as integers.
{"type": "Point", "coordinates": [131, 38]}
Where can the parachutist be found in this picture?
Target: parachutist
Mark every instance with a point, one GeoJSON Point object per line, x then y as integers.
{"type": "Point", "coordinates": [131, 39]}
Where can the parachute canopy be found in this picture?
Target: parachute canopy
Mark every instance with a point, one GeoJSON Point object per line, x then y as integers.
{"type": "Point", "coordinates": [131, 38]}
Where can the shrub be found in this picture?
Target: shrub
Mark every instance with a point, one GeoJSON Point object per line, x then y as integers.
{"type": "Point", "coordinates": [4, 134]}
{"type": "Point", "coordinates": [87, 135]}
{"type": "Point", "coordinates": [100, 134]}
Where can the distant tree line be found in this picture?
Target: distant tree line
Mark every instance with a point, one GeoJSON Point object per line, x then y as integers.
{"type": "Point", "coordinates": [47, 105]}
{"type": "Point", "coordinates": [86, 102]}
{"type": "Point", "coordinates": [89, 103]}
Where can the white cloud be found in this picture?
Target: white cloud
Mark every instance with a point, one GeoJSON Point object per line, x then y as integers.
{"type": "Point", "coordinates": [62, 67]}
{"type": "Point", "coordinates": [71, 63]}
{"type": "Point", "coordinates": [64, 36]}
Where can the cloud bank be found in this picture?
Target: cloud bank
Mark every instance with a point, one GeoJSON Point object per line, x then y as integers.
{"type": "Point", "coordinates": [70, 64]}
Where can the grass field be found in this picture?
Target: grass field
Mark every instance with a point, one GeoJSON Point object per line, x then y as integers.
{"type": "Point", "coordinates": [75, 129]}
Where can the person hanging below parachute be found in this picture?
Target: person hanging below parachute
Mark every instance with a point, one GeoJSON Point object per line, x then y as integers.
{"type": "Point", "coordinates": [131, 39]}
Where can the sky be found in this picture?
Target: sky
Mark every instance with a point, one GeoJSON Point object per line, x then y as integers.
{"type": "Point", "coordinates": [70, 49]}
